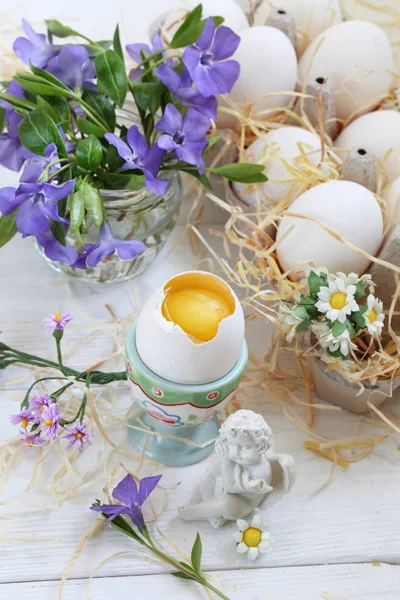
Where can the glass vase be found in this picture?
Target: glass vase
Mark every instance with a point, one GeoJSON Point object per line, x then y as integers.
{"type": "Point", "coordinates": [139, 215]}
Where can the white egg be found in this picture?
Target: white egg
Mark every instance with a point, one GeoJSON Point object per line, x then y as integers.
{"type": "Point", "coordinates": [179, 355]}
{"type": "Point", "coordinates": [356, 57]}
{"type": "Point", "coordinates": [260, 74]}
{"type": "Point", "coordinates": [348, 209]}
{"type": "Point", "coordinates": [170, 21]}
{"type": "Point", "coordinates": [377, 132]}
{"type": "Point", "coordinates": [280, 147]}
{"type": "Point", "coordinates": [391, 195]}
{"type": "Point", "coordinates": [311, 17]}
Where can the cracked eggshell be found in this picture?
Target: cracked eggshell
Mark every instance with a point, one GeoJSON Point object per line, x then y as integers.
{"type": "Point", "coordinates": [356, 57]}
{"type": "Point", "coordinates": [347, 208]}
{"type": "Point", "coordinates": [170, 353]}
{"type": "Point", "coordinates": [311, 17]}
{"type": "Point", "coordinates": [279, 146]}
{"type": "Point", "coordinates": [259, 74]}
{"type": "Point", "coordinates": [378, 132]}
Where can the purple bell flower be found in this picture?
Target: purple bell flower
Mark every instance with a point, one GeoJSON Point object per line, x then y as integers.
{"type": "Point", "coordinates": [181, 87]}
{"type": "Point", "coordinates": [185, 135]}
{"type": "Point", "coordinates": [38, 204]}
{"type": "Point", "coordinates": [34, 49]}
{"type": "Point", "coordinates": [132, 498]}
{"type": "Point", "coordinates": [74, 67]}
{"type": "Point", "coordinates": [107, 245]}
{"type": "Point", "coordinates": [206, 60]}
{"type": "Point", "coordinates": [138, 155]}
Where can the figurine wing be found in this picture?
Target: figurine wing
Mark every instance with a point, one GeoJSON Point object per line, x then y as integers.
{"type": "Point", "coordinates": [283, 477]}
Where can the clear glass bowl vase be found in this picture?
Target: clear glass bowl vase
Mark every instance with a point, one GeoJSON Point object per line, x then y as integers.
{"type": "Point", "coordinates": [132, 215]}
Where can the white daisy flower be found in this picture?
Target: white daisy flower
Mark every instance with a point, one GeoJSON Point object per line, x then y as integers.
{"type": "Point", "coordinates": [337, 300]}
{"type": "Point", "coordinates": [374, 316]}
{"type": "Point", "coordinates": [252, 538]}
{"type": "Point", "coordinates": [347, 365]}
{"type": "Point", "coordinates": [288, 322]}
{"type": "Point", "coordinates": [341, 341]}
{"type": "Point", "coordinates": [366, 279]}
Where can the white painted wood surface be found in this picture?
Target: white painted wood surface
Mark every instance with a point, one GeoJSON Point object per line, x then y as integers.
{"type": "Point", "coordinates": [325, 542]}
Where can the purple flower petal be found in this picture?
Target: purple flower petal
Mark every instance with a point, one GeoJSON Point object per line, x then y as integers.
{"type": "Point", "coordinates": [191, 60]}
{"type": "Point", "coordinates": [169, 77]}
{"type": "Point", "coordinates": [204, 41]}
{"type": "Point", "coordinates": [32, 171]}
{"type": "Point", "coordinates": [147, 485]}
{"type": "Point", "coordinates": [23, 48]}
{"type": "Point", "coordinates": [195, 126]}
{"type": "Point", "coordinates": [8, 202]}
{"type": "Point", "coordinates": [128, 249]}
{"type": "Point", "coordinates": [156, 185]}
{"type": "Point", "coordinates": [165, 142]}
{"type": "Point", "coordinates": [12, 153]}
{"type": "Point", "coordinates": [171, 121]}
{"type": "Point", "coordinates": [127, 492]}
{"type": "Point", "coordinates": [30, 219]}
{"type": "Point", "coordinates": [225, 43]}
{"type": "Point", "coordinates": [57, 252]}
{"type": "Point", "coordinates": [191, 153]}
{"type": "Point", "coordinates": [58, 192]}
{"type": "Point", "coordinates": [134, 51]}
{"type": "Point", "coordinates": [137, 142]}
{"type": "Point", "coordinates": [113, 510]}
{"type": "Point", "coordinates": [123, 149]}
{"type": "Point", "coordinates": [50, 209]}
{"type": "Point", "coordinates": [36, 38]}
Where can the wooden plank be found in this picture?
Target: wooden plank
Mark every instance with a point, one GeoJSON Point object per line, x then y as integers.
{"type": "Point", "coordinates": [334, 582]}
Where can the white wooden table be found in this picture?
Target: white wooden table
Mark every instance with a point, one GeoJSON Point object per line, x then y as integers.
{"type": "Point", "coordinates": [341, 543]}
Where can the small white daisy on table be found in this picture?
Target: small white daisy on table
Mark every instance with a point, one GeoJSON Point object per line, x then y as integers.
{"type": "Point", "coordinates": [337, 299]}
{"type": "Point", "coordinates": [374, 316]}
{"type": "Point", "coordinates": [252, 538]}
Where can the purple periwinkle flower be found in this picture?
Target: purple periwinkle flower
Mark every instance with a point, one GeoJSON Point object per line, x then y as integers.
{"type": "Point", "coordinates": [137, 155]}
{"type": "Point", "coordinates": [56, 251]}
{"type": "Point", "coordinates": [37, 404]}
{"type": "Point", "coordinates": [12, 117]}
{"type": "Point", "coordinates": [38, 204]}
{"type": "Point", "coordinates": [181, 86]}
{"type": "Point", "coordinates": [34, 49]}
{"type": "Point", "coordinates": [24, 417]}
{"type": "Point", "coordinates": [34, 168]}
{"type": "Point", "coordinates": [185, 135]}
{"type": "Point", "coordinates": [78, 435]}
{"type": "Point", "coordinates": [74, 67]}
{"type": "Point", "coordinates": [50, 426]}
{"type": "Point", "coordinates": [135, 52]}
{"type": "Point", "coordinates": [107, 245]}
{"type": "Point", "coordinates": [12, 152]}
{"type": "Point", "coordinates": [206, 60]}
{"type": "Point", "coordinates": [132, 498]}
{"type": "Point", "coordinates": [56, 321]}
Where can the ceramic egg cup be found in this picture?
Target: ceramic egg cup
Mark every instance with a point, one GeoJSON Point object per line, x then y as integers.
{"type": "Point", "coordinates": [175, 424]}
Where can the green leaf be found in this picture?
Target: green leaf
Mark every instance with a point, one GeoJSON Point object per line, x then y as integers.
{"type": "Point", "coordinates": [89, 153]}
{"type": "Point", "coordinates": [87, 127]}
{"type": "Point", "coordinates": [202, 178]}
{"type": "Point", "coordinates": [360, 290]}
{"type": "Point", "coordinates": [57, 108]}
{"type": "Point", "coordinates": [117, 43]}
{"type": "Point", "coordinates": [76, 211]}
{"type": "Point", "coordinates": [111, 76]}
{"type": "Point", "coordinates": [48, 77]}
{"type": "Point", "coordinates": [58, 230]}
{"type": "Point", "coordinates": [358, 317]}
{"type": "Point", "coordinates": [124, 527]}
{"type": "Point", "coordinates": [301, 312]}
{"type": "Point", "coordinates": [93, 202]}
{"type": "Point", "coordinates": [34, 84]}
{"type": "Point", "coordinates": [190, 29]}
{"type": "Point", "coordinates": [15, 101]}
{"type": "Point", "coordinates": [148, 95]}
{"type": "Point", "coordinates": [58, 29]}
{"type": "Point", "coordinates": [38, 130]}
{"type": "Point", "coordinates": [122, 181]}
{"type": "Point", "coordinates": [218, 21]}
{"type": "Point", "coordinates": [211, 142]}
{"type": "Point", "coordinates": [315, 282]}
{"type": "Point", "coordinates": [102, 107]}
{"type": "Point", "coordinates": [304, 325]}
{"type": "Point", "coordinates": [241, 172]}
{"type": "Point", "coordinates": [96, 50]}
{"type": "Point", "coordinates": [114, 161]}
{"type": "Point", "coordinates": [338, 328]}
{"type": "Point", "coordinates": [7, 228]}
{"type": "Point", "coordinates": [181, 575]}
{"type": "Point", "coordinates": [196, 554]}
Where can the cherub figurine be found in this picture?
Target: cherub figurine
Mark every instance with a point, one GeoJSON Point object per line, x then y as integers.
{"type": "Point", "coordinates": [245, 474]}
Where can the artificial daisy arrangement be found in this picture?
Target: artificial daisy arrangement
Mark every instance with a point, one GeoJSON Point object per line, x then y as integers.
{"type": "Point", "coordinates": [44, 417]}
{"type": "Point", "coordinates": [252, 538]}
{"type": "Point", "coordinates": [340, 310]}
{"type": "Point", "coordinates": [61, 128]}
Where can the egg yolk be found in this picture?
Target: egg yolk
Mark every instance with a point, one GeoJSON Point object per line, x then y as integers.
{"type": "Point", "coordinates": [338, 300]}
{"type": "Point", "coordinates": [197, 305]}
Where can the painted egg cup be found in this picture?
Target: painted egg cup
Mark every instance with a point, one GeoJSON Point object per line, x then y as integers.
{"type": "Point", "coordinates": [187, 413]}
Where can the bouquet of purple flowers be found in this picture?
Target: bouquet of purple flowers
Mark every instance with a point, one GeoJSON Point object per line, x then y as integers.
{"type": "Point", "coordinates": [59, 127]}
